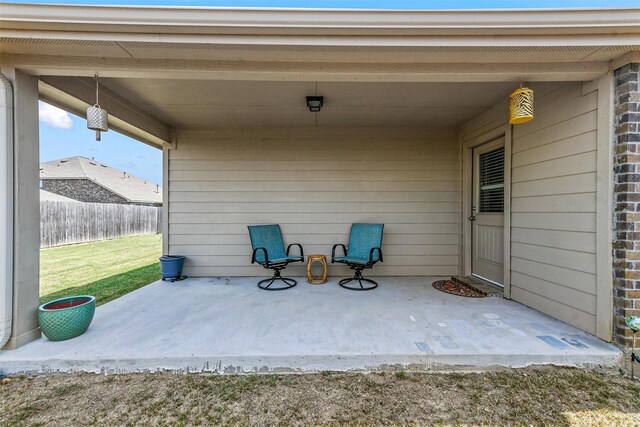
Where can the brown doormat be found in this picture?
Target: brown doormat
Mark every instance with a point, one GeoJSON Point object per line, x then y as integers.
{"type": "Point", "coordinates": [456, 286]}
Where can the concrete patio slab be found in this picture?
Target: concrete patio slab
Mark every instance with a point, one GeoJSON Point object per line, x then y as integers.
{"type": "Point", "coordinates": [229, 325]}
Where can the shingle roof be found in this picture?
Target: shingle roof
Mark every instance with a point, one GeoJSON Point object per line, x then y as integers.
{"type": "Point", "coordinates": [47, 196]}
{"type": "Point", "coordinates": [132, 188]}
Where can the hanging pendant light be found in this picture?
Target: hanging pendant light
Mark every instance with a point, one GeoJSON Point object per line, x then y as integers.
{"type": "Point", "coordinates": [97, 118]}
{"type": "Point", "coordinates": [521, 106]}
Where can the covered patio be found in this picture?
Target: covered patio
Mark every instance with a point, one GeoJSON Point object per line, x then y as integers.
{"type": "Point", "coordinates": [412, 103]}
{"type": "Point", "coordinates": [228, 325]}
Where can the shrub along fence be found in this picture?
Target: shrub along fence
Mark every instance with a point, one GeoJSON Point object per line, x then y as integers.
{"type": "Point", "coordinates": [65, 223]}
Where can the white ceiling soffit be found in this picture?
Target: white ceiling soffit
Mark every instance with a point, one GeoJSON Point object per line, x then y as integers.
{"type": "Point", "coordinates": [519, 53]}
{"type": "Point", "coordinates": [197, 103]}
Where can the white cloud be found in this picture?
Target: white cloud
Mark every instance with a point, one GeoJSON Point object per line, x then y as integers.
{"type": "Point", "coordinates": [53, 116]}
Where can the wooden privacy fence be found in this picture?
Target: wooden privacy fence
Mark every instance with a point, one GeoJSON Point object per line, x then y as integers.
{"type": "Point", "coordinates": [65, 223]}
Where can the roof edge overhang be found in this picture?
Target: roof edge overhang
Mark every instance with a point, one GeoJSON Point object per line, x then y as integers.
{"type": "Point", "coordinates": [206, 20]}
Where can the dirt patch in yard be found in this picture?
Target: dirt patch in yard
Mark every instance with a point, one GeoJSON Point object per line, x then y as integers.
{"type": "Point", "coordinates": [549, 396]}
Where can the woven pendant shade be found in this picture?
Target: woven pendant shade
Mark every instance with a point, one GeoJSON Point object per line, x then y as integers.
{"type": "Point", "coordinates": [97, 118]}
{"type": "Point", "coordinates": [521, 106]}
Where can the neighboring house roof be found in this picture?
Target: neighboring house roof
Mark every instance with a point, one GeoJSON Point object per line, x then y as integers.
{"type": "Point", "coordinates": [47, 196]}
{"type": "Point", "coordinates": [132, 188]}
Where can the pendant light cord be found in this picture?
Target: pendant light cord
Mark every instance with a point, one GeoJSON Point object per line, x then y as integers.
{"type": "Point", "coordinates": [97, 92]}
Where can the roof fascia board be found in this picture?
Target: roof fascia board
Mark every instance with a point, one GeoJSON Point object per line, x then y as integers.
{"type": "Point", "coordinates": [140, 18]}
{"type": "Point", "coordinates": [632, 40]}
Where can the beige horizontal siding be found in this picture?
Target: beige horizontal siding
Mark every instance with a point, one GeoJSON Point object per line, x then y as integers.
{"type": "Point", "coordinates": [315, 183]}
{"type": "Point", "coordinates": [580, 143]}
{"type": "Point", "coordinates": [317, 207]}
{"type": "Point", "coordinates": [336, 217]}
{"type": "Point", "coordinates": [577, 299]}
{"type": "Point", "coordinates": [571, 184]}
{"type": "Point", "coordinates": [313, 166]}
{"type": "Point", "coordinates": [572, 240]}
{"type": "Point", "coordinates": [320, 229]}
{"type": "Point", "coordinates": [408, 241]}
{"type": "Point", "coordinates": [553, 265]}
{"type": "Point", "coordinates": [298, 269]}
{"type": "Point", "coordinates": [571, 165]}
{"type": "Point", "coordinates": [315, 196]}
{"type": "Point", "coordinates": [570, 259]}
{"type": "Point", "coordinates": [226, 261]}
{"type": "Point", "coordinates": [280, 176]}
{"type": "Point", "coordinates": [241, 249]}
{"type": "Point", "coordinates": [312, 186]}
{"type": "Point", "coordinates": [553, 307]}
{"type": "Point", "coordinates": [565, 277]}
{"type": "Point", "coordinates": [580, 202]}
{"type": "Point", "coordinates": [319, 154]}
{"type": "Point", "coordinates": [565, 221]}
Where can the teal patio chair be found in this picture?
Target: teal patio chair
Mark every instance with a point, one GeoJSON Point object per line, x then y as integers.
{"type": "Point", "coordinates": [363, 251]}
{"type": "Point", "coordinates": [269, 252]}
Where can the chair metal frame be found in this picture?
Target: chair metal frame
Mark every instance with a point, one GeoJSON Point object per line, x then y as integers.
{"type": "Point", "coordinates": [358, 267]}
{"type": "Point", "coordinates": [277, 266]}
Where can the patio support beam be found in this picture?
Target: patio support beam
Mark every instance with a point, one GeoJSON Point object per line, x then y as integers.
{"type": "Point", "coordinates": [165, 198]}
{"type": "Point", "coordinates": [305, 71]}
{"type": "Point", "coordinates": [604, 202]}
{"type": "Point", "coordinates": [6, 209]}
{"type": "Point", "coordinates": [75, 94]}
{"type": "Point", "coordinates": [26, 213]}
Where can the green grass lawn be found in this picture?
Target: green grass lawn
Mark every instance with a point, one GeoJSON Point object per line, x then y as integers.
{"type": "Point", "coordinates": [107, 269]}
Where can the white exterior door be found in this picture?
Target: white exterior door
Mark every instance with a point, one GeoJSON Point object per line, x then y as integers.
{"type": "Point", "coordinates": [487, 219]}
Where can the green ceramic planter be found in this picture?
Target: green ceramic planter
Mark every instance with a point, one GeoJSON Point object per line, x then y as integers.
{"type": "Point", "coordinates": [66, 318]}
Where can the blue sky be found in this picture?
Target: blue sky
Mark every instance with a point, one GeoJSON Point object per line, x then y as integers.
{"type": "Point", "coordinates": [370, 4]}
{"type": "Point", "coordinates": [65, 135]}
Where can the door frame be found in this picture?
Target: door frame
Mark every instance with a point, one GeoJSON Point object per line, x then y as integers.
{"type": "Point", "coordinates": [467, 180]}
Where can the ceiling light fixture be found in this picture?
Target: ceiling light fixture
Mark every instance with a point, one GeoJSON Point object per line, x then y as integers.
{"type": "Point", "coordinates": [315, 103]}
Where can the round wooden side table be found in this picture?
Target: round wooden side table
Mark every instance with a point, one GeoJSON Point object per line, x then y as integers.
{"type": "Point", "coordinates": [317, 280]}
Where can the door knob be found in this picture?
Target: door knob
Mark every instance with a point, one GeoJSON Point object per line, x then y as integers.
{"type": "Point", "coordinates": [472, 218]}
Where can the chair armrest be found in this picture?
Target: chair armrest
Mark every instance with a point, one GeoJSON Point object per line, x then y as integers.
{"type": "Point", "coordinates": [298, 245]}
{"type": "Point", "coordinates": [266, 256]}
{"type": "Point", "coordinates": [372, 252]}
{"type": "Point", "coordinates": [333, 251]}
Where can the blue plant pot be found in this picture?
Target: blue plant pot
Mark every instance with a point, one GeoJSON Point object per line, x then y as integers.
{"type": "Point", "coordinates": [171, 266]}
